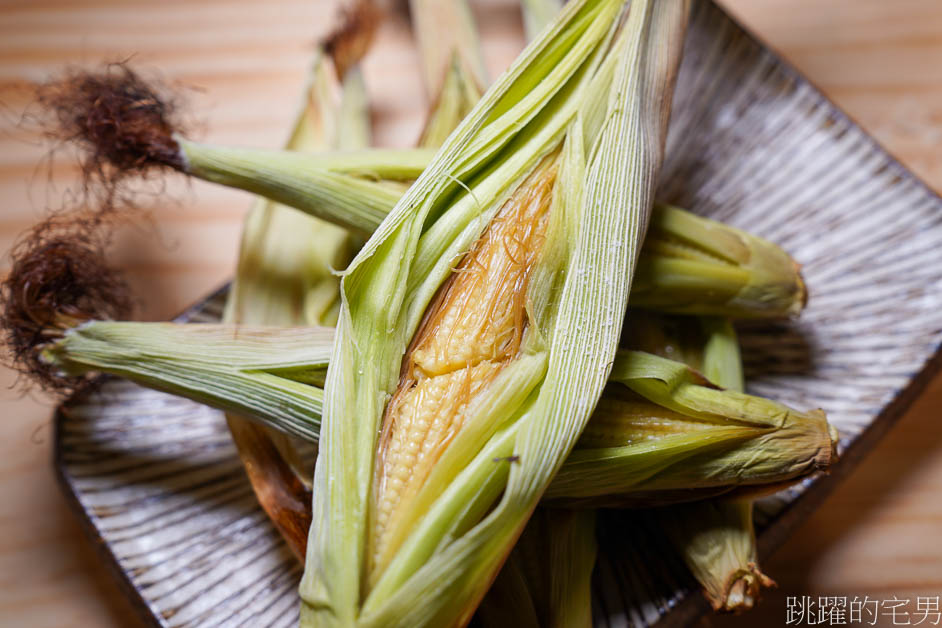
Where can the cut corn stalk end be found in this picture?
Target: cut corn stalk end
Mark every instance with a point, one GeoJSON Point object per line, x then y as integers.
{"type": "Point", "coordinates": [742, 591]}
{"type": "Point", "coordinates": [694, 265]}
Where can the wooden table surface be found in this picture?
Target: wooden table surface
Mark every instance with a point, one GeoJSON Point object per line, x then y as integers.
{"type": "Point", "coordinates": [880, 533]}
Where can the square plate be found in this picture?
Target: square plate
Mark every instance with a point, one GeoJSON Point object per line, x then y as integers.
{"type": "Point", "coordinates": [158, 482]}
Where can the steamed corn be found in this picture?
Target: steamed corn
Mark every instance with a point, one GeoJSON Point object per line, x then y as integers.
{"type": "Point", "coordinates": [536, 405]}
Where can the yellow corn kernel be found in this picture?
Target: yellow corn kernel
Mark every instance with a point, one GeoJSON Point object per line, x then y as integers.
{"type": "Point", "coordinates": [479, 314]}
{"type": "Point", "coordinates": [472, 328]}
{"type": "Point", "coordinates": [624, 418]}
{"type": "Point", "coordinates": [422, 421]}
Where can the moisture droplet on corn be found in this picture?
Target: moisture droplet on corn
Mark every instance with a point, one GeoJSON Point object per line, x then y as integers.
{"type": "Point", "coordinates": [471, 330]}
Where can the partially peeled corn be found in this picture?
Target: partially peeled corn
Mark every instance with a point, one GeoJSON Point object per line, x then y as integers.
{"type": "Point", "coordinates": [485, 484]}
{"type": "Point", "coordinates": [471, 330]}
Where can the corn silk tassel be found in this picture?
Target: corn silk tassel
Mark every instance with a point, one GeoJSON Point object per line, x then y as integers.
{"type": "Point", "coordinates": [717, 537]}
{"type": "Point", "coordinates": [285, 277]}
{"type": "Point", "coordinates": [574, 86]}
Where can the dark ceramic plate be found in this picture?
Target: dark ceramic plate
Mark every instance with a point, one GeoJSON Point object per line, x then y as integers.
{"type": "Point", "coordinates": [752, 143]}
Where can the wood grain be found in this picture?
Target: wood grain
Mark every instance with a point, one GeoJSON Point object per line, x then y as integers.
{"type": "Point", "coordinates": [882, 62]}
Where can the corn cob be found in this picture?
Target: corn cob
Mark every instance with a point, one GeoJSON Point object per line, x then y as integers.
{"type": "Point", "coordinates": [703, 443]}
{"type": "Point", "coordinates": [689, 264]}
{"type": "Point", "coordinates": [546, 580]}
{"type": "Point", "coordinates": [747, 276]}
{"type": "Point", "coordinates": [716, 538]}
{"type": "Point", "coordinates": [335, 187]}
{"type": "Point", "coordinates": [499, 145]}
{"type": "Point", "coordinates": [270, 374]}
{"type": "Point", "coordinates": [626, 429]}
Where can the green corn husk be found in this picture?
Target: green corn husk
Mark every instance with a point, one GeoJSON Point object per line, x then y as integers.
{"type": "Point", "coordinates": [445, 30]}
{"type": "Point", "coordinates": [268, 373]}
{"type": "Point", "coordinates": [689, 264]}
{"type": "Point", "coordinates": [285, 277]}
{"type": "Point", "coordinates": [716, 538]}
{"type": "Point", "coordinates": [286, 260]}
{"type": "Point", "coordinates": [706, 344]}
{"type": "Point", "coordinates": [676, 439]}
{"type": "Point", "coordinates": [458, 94]}
{"type": "Point", "coordinates": [721, 270]}
{"type": "Point", "coordinates": [537, 14]}
{"type": "Point", "coordinates": [345, 188]}
{"type": "Point", "coordinates": [547, 579]}
{"type": "Point", "coordinates": [722, 361]}
{"type": "Point", "coordinates": [716, 441]}
{"type": "Point", "coordinates": [452, 64]}
{"type": "Point", "coordinates": [431, 581]}
{"type": "Point", "coordinates": [354, 130]}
